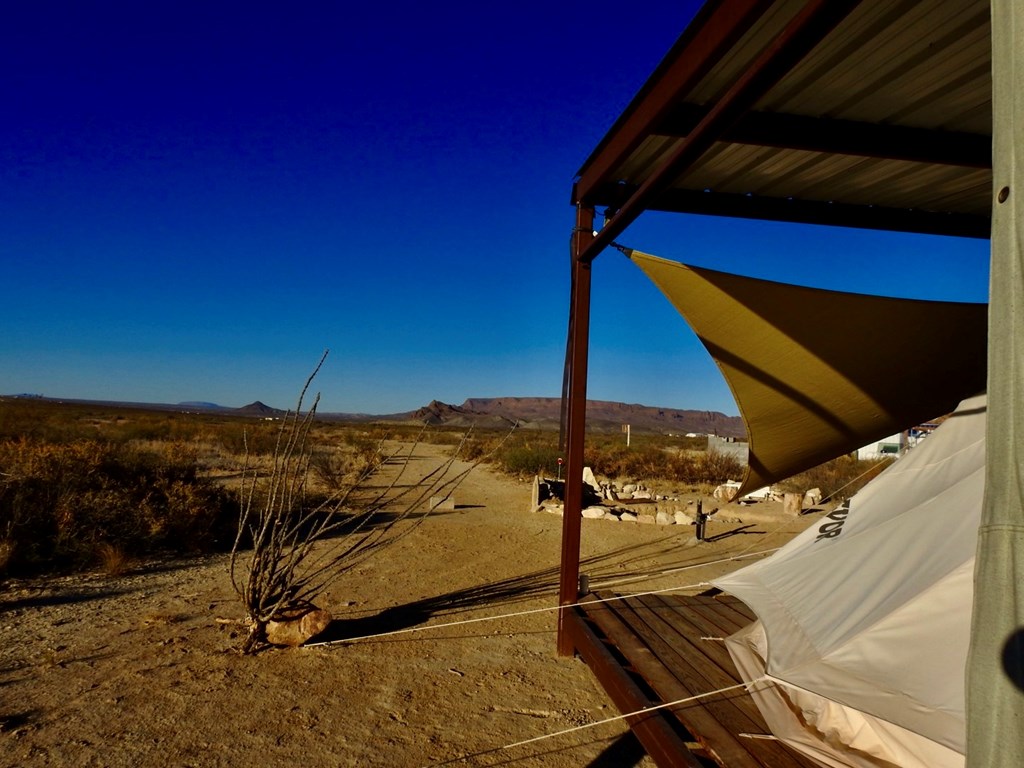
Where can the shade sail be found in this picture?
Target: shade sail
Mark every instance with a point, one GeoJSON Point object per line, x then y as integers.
{"type": "Point", "coordinates": [816, 373]}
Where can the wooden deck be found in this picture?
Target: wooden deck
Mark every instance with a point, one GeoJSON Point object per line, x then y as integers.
{"type": "Point", "coordinates": [657, 648]}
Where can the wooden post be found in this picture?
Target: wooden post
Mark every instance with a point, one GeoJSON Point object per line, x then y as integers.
{"type": "Point", "coordinates": [792, 504]}
{"type": "Point", "coordinates": [579, 324]}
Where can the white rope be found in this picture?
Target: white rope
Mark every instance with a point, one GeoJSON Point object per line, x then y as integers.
{"type": "Point", "coordinates": [546, 609]}
{"type": "Point", "coordinates": [741, 556]}
{"type": "Point", "coordinates": [407, 630]}
{"type": "Point", "coordinates": [638, 712]}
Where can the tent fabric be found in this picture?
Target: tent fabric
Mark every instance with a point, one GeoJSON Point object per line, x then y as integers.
{"type": "Point", "coordinates": [995, 703]}
{"type": "Point", "coordinates": [819, 373]}
{"type": "Point", "coordinates": [864, 618]}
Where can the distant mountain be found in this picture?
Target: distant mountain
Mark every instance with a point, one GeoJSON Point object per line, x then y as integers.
{"type": "Point", "coordinates": [542, 413]}
{"type": "Point", "coordinates": [258, 409]}
{"type": "Point", "coordinates": [438, 413]}
{"type": "Point", "coordinates": [545, 413]}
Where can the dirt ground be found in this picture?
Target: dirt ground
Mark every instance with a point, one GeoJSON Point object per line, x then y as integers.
{"type": "Point", "coordinates": [136, 670]}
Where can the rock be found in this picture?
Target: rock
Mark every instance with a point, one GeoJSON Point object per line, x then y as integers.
{"type": "Point", "coordinates": [444, 503]}
{"type": "Point", "coordinates": [664, 518]}
{"type": "Point", "coordinates": [628, 488]}
{"type": "Point", "coordinates": [726, 491]}
{"type": "Point", "coordinates": [627, 517]}
{"type": "Point", "coordinates": [813, 497]}
{"type": "Point", "coordinates": [791, 504]}
{"type": "Point", "coordinates": [682, 518]}
{"type": "Point", "coordinates": [642, 494]}
{"type": "Point", "coordinates": [594, 513]}
{"type": "Point", "coordinates": [297, 625]}
{"type": "Point", "coordinates": [589, 479]}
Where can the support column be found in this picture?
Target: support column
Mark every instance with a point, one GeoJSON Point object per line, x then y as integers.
{"type": "Point", "coordinates": [995, 664]}
{"type": "Point", "coordinates": [576, 410]}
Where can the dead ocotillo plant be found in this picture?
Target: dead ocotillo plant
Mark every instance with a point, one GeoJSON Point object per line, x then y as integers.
{"type": "Point", "coordinates": [302, 542]}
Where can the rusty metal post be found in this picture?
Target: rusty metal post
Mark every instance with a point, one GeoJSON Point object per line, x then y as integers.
{"type": "Point", "coordinates": [701, 520]}
{"type": "Point", "coordinates": [576, 410]}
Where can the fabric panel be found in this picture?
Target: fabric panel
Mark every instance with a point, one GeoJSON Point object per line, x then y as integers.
{"type": "Point", "coordinates": [817, 374]}
{"type": "Point", "coordinates": [995, 702]}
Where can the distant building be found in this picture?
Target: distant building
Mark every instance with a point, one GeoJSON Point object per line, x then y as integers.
{"type": "Point", "coordinates": [896, 445]}
{"type": "Point", "coordinates": [730, 446]}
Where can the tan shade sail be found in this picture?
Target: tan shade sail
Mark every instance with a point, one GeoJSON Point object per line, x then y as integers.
{"type": "Point", "coordinates": [818, 373]}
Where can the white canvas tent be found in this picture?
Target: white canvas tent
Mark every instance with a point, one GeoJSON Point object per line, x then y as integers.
{"type": "Point", "coordinates": [864, 619]}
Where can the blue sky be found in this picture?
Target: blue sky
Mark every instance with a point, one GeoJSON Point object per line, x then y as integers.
{"type": "Point", "coordinates": [197, 198]}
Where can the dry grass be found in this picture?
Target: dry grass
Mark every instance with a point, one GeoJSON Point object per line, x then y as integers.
{"type": "Point", "coordinates": [113, 560]}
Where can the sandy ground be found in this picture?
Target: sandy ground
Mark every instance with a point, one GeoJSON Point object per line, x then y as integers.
{"type": "Point", "coordinates": [136, 671]}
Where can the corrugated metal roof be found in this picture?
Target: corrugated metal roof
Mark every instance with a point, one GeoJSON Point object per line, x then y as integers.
{"type": "Point", "coordinates": [888, 65]}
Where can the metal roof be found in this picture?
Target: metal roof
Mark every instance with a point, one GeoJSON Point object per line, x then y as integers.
{"type": "Point", "coordinates": [870, 113]}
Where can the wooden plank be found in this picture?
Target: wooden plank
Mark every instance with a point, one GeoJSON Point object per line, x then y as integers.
{"type": "Point", "coordinates": [723, 745]}
{"type": "Point", "coordinates": [665, 746]}
{"type": "Point", "coordinates": [687, 661]}
{"type": "Point", "coordinates": [668, 628]}
{"type": "Point", "coordinates": [708, 618]}
{"type": "Point", "coordinates": [690, 628]}
{"type": "Point", "coordinates": [732, 607]}
{"type": "Point", "coordinates": [685, 657]}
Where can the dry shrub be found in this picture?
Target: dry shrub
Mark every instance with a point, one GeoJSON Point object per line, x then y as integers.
{"type": "Point", "coordinates": [249, 438]}
{"type": "Point", "coordinates": [302, 541]}
{"type": "Point", "coordinates": [531, 458]}
{"type": "Point", "coordinates": [113, 560]}
{"type": "Point", "coordinates": [838, 479]}
{"type": "Point", "coordinates": [59, 502]}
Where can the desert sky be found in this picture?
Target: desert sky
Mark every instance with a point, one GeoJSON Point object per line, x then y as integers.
{"type": "Point", "coordinates": [197, 198]}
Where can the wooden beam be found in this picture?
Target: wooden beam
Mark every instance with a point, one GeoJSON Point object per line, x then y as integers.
{"type": "Point", "coordinates": [843, 137]}
{"type": "Point", "coordinates": [662, 742]}
{"type": "Point", "coordinates": [808, 28]}
{"type": "Point", "coordinates": [713, 31]}
{"type": "Point", "coordinates": [576, 410]}
{"type": "Point", "coordinates": [822, 212]}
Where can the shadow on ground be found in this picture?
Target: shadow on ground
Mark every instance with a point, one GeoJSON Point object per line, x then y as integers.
{"type": "Point", "coordinates": [541, 583]}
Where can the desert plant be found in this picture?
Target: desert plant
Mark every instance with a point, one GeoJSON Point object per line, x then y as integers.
{"type": "Point", "coordinates": [839, 478]}
{"type": "Point", "coordinates": [114, 561]}
{"type": "Point", "coordinates": [60, 501]}
{"type": "Point", "coordinates": [301, 541]}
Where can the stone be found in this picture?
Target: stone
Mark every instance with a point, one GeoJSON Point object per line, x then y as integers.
{"type": "Point", "coordinates": [726, 491]}
{"type": "Point", "coordinates": [642, 495]}
{"type": "Point", "coordinates": [444, 503]}
{"type": "Point", "coordinates": [297, 625]}
{"type": "Point", "coordinates": [812, 498]}
{"type": "Point", "coordinates": [594, 513]}
{"type": "Point", "coordinates": [792, 504]}
{"type": "Point", "coordinates": [628, 488]}
{"type": "Point", "coordinates": [589, 479]}
{"type": "Point", "coordinates": [664, 518]}
{"type": "Point", "coordinates": [627, 517]}
{"type": "Point", "coordinates": [682, 518]}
